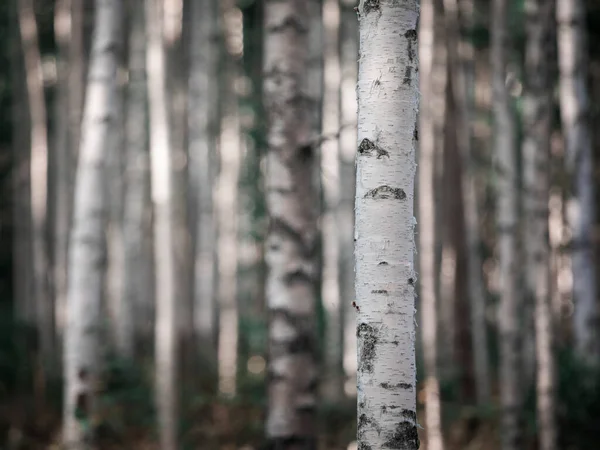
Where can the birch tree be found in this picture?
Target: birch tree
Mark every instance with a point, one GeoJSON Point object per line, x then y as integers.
{"type": "Point", "coordinates": [506, 222]}
{"type": "Point", "coordinates": [38, 167]}
{"type": "Point", "coordinates": [135, 310]}
{"type": "Point", "coordinates": [87, 248]}
{"type": "Point", "coordinates": [429, 300]}
{"type": "Point", "coordinates": [161, 179]}
{"type": "Point", "coordinates": [202, 128]}
{"type": "Point", "coordinates": [388, 102]}
{"type": "Point", "coordinates": [537, 120]}
{"type": "Point", "coordinates": [575, 111]}
{"type": "Point", "coordinates": [292, 235]}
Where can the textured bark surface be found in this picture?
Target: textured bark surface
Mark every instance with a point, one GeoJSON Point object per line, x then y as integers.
{"type": "Point", "coordinates": [575, 116]}
{"type": "Point", "coordinates": [136, 307]}
{"type": "Point", "coordinates": [537, 116]}
{"type": "Point", "coordinates": [292, 235]}
{"type": "Point", "coordinates": [38, 167]}
{"type": "Point", "coordinates": [388, 101]}
{"type": "Point", "coordinates": [461, 66]}
{"type": "Point", "coordinates": [202, 128]}
{"type": "Point", "coordinates": [429, 300]}
{"type": "Point", "coordinates": [87, 247]}
{"type": "Point", "coordinates": [506, 222]}
{"type": "Point", "coordinates": [161, 158]}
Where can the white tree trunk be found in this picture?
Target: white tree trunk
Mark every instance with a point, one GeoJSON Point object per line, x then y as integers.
{"type": "Point", "coordinates": [292, 236]}
{"type": "Point", "coordinates": [506, 220]}
{"type": "Point", "coordinates": [426, 196]}
{"type": "Point", "coordinates": [332, 387]}
{"type": "Point", "coordinates": [537, 121]}
{"type": "Point", "coordinates": [202, 128]}
{"type": "Point", "coordinates": [87, 247]}
{"type": "Point", "coordinates": [462, 80]}
{"type": "Point", "coordinates": [136, 305]}
{"type": "Point", "coordinates": [574, 108]}
{"type": "Point", "coordinates": [161, 179]}
{"type": "Point", "coordinates": [38, 176]}
{"type": "Point", "coordinates": [348, 107]}
{"type": "Point", "coordinates": [388, 102]}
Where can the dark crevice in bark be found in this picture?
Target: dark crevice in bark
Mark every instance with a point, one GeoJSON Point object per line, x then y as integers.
{"type": "Point", "coordinates": [386, 192]}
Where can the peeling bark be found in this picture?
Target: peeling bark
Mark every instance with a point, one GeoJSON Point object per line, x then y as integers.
{"type": "Point", "coordinates": [384, 231]}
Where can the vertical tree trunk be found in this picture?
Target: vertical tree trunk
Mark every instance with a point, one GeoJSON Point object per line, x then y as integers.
{"type": "Point", "coordinates": [574, 108]}
{"type": "Point", "coordinates": [136, 308]}
{"type": "Point", "coordinates": [537, 120]}
{"type": "Point", "coordinates": [203, 114]}
{"type": "Point", "coordinates": [345, 215]}
{"type": "Point", "coordinates": [87, 249]}
{"type": "Point", "coordinates": [291, 240]}
{"type": "Point", "coordinates": [462, 81]}
{"type": "Point", "coordinates": [161, 179]}
{"type": "Point", "coordinates": [332, 387]}
{"type": "Point", "coordinates": [388, 101]}
{"type": "Point", "coordinates": [506, 219]}
{"type": "Point", "coordinates": [429, 301]}
{"type": "Point", "coordinates": [38, 177]}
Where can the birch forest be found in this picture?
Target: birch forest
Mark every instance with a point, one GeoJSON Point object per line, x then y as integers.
{"type": "Point", "coordinates": [299, 224]}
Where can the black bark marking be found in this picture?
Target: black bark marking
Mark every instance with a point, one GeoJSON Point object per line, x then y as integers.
{"type": "Point", "coordinates": [366, 422]}
{"type": "Point", "coordinates": [409, 414]}
{"type": "Point", "coordinates": [367, 147]}
{"type": "Point", "coordinates": [296, 277]}
{"type": "Point", "coordinates": [279, 226]}
{"type": "Point", "coordinates": [416, 134]}
{"type": "Point", "coordinates": [363, 446]}
{"type": "Point", "coordinates": [386, 192]}
{"type": "Point", "coordinates": [411, 281]}
{"type": "Point", "coordinates": [82, 406]}
{"type": "Point", "coordinates": [371, 5]}
{"type": "Point", "coordinates": [407, 75]}
{"type": "Point", "coordinates": [411, 37]}
{"type": "Point", "coordinates": [367, 337]}
{"type": "Point", "coordinates": [406, 386]}
{"type": "Point", "coordinates": [383, 263]}
{"type": "Point", "coordinates": [405, 437]}
{"type": "Point", "coordinates": [379, 291]}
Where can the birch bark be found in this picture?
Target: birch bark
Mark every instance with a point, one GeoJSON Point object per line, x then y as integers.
{"type": "Point", "coordinates": [292, 236]}
{"type": "Point", "coordinates": [506, 221]}
{"type": "Point", "coordinates": [388, 102]}
{"type": "Point", "coordinates": [574, 109]}
{"type": "Point", "coordinates": [87, 246]}
{"type": "Point", "coordinates": [537, 121]}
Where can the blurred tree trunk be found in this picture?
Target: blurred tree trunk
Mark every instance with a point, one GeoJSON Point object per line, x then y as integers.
{"type": "Point", "coordinates": [136, 307]}
{"type": "Point", "coordinates": [333, 382]}
{"type": "Point", "coordinates": [347, 174]}
{"type": "Point", "coordinates": [87, 249]}
{"type": "Point", "coordinates": [537, 121]}
{"type": "Point", "coordinates": [203, 123]}
{"type": "Point", "coordinates": [161, 160]}
{"type": "Point", "coordinates": [42, 302]}
{"type": "Point", "coordinates": [20, 178]}
{"type": "Point", "coordinates": [426, 205]}
{"type": "Point", "coordinates": [388, 100]}
{"type": "Point", "coordinates": [291, 251]}
{"type": "Point", "coordinates": [575, 115]}
{"type": "Point", "coordinates": [461, 54]}
{"type": "Point", "coordinates": [506, 222]}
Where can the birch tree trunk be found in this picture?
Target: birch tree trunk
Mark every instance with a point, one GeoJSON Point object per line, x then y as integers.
{"type": "Point", "coordinates": [332, 387]}
{"type": "Point", "coordinates": [429, 300]}
{"type": "Point", "coordinates": [38, 176]}
{"type": "Point", "coordinates": [203, 111]}
{"type": "Point", "coordinates": [537, 120]}
{"type": "Point", "coordinates": [388, 102]}
{"type": "Point", "coordinates": [574, 108]}
{"type": "Point", "coordinates": [506, 220]}
{"type": "Point", "coordinates": [461, 56]}
{"type": "Point", "coordinates": [292, 236]}
{"type": "Point", "coordinates": [348, 107]}
{"type": "Point", "coordinates": [87, 248]}
{"type": "Point", "coordinates": [136, 312]}
{"type": "Point", "coordinates": [161, 179]}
